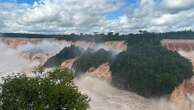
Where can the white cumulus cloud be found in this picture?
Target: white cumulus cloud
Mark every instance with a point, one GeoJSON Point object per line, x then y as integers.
{"type": "Point", "coordinates": [87, 16]}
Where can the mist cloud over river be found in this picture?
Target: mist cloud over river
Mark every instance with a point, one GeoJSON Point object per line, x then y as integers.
{"type": "Point", "coordinates": [103, 95]}
{"type": "Point", "coordinates": [9, 60]}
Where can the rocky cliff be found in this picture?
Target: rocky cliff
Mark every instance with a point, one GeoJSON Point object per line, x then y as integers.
{"type": "Point", "coordinates": [183, 96]}
{"type": "Point", "coordinates": [101, 72]}
{"type": "Point", "coordinates": [183, 47]}
{"type": "Point", "coordinates": [178, 44]}
{"type": "Point", "coordinates": [42, 49]}
{"type": "Point", "coordinates": [67, 64]}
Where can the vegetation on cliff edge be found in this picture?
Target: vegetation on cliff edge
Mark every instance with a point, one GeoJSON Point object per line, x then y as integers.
{"type": "Point", "coordinates": [66, 53]}
{"type": "Point", "coordinates": [149, 69]}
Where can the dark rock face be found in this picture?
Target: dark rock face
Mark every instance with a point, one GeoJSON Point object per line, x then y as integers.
{"type": "Point", "coordinates": [65, 54]}
{"type": "Point", "coordinates": [91, 58]}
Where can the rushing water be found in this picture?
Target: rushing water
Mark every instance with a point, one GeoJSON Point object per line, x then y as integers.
{"type": "Point", "coordinates": [103, 95]}
{"type": "Point", "coordinates": [10, 61]}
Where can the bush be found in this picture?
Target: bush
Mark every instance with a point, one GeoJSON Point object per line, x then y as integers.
{"type": "Point", "coordinates": [53, 92]}
{"type": "Point", "coordinates": [149, 70]}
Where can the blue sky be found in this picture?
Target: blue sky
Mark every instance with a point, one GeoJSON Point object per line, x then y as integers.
{"type": "Point", "coordinates": [25, 1]}
{"type": "Point", "coordinates": [31, 1]}
{"type": "Point", "coordinates": [19, 1]}
{"type": "Point", "coordinates": [111, 16]}
{"type": "Point", "coordinates": [116, 14]}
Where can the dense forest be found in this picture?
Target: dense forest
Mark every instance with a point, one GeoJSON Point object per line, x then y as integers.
{"type": "Point", "coordinates": [149, 69]}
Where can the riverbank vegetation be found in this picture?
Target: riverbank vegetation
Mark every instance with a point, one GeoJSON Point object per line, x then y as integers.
{"type": "Point", "coordinates": [55, 91]}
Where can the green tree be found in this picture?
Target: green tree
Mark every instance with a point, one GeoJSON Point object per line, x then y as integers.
{"type": "Point", "coordinates": [148, 69]}
{"type": "Point", "coordinates": [56, 91]}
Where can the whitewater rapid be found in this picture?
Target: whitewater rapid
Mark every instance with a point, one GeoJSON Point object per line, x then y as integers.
{"type": "Point", "coordinates": [105, 97]}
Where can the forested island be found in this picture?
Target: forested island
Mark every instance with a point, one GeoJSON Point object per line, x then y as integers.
{"type": "Point", "coordinates": [149, 69]}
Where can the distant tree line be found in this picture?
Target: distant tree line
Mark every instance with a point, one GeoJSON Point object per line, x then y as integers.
{"type": "Point", "coordinates": [110, 36]}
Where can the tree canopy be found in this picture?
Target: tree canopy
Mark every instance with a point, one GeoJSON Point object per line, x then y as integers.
{"type": "Point", "coordinates": [149, 69]}
{"type": "Point", "coordinates": [56, 91]}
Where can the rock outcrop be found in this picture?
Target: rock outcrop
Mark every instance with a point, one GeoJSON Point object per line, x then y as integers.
{"type": "Point", "coordinates": [118, 45]}
{"type": "Point", "coordinates": [178, 44]}
{"type": "Point", "coordinates": [188, 54]}
{"type": "Point", "coordinates": [101, 72]}
{"type": "Point", "coordinates": [184, 47]}
{"type": "Point", "coordinates": [67, 64]}
{"type": "Point", "coordinates": [183, 96]}
{"type": "Point", "coordinates": [114, 46]}
{"type": "Point", "coordinates": [15, 42]}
